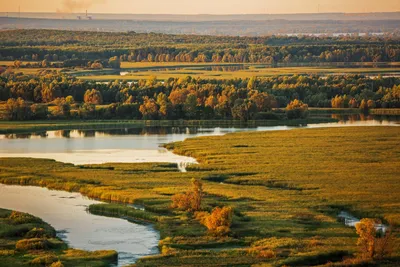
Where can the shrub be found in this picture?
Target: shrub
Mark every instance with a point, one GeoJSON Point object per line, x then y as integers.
{"type": "Point", "coordinates": [218, 222]}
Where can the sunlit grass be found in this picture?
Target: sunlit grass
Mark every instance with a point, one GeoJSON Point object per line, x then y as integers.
{"type": "Point", "coordinates": [286, 189]}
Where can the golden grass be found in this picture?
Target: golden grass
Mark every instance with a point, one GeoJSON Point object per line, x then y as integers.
{"type": "Point", "coordinates": [286, 188]}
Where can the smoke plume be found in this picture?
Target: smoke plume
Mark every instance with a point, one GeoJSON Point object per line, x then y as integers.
{"type": "Point", "coordinates": [72, 6]}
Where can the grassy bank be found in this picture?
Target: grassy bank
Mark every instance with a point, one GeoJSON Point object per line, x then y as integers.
{"type": "Point", "coordinates": [286, 189]}
{"type": "Point", "coordinates": [28, 241]}
{"type": "Point", "coordinates": [11, 127]}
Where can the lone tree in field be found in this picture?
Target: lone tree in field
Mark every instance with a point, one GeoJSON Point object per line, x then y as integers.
{"type": "Point", "coordinates": [373, 245]}
{"type": "Point", "coordinates": [191, 200]}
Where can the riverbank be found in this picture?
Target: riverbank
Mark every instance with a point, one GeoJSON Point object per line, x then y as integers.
{"type": "Point", "coordinates": [27, 240]}
{"type": "Point", "coordinates": [290, 212]}
{"type": "Point", "coordinates": [14, 127]}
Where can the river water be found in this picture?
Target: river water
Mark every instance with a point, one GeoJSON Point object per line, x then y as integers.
{"type": "Point", "coordinates": [67, 213]}
{"type": "Point", "coordinates": [129, 145]}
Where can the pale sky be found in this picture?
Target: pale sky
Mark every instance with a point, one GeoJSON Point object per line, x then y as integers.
{"type": "Point", "coordinates": [201, 6]}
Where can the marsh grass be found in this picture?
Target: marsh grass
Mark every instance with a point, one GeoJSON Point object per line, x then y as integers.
{"type": "Point", "coordinates": [286, 189]}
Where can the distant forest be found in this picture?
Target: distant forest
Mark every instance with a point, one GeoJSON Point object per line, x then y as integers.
{"type": "Point", "coordinates": [247, 26]}
{"type": "Point", "coordinates": [72, 49]}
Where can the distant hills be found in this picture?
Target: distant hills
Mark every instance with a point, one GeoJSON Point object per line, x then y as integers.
{"type": "Point", "coordinates": [205, 17]}
{"type": "Point", "coordinates": [242, 25]}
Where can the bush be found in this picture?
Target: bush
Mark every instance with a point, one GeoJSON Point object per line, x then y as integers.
{"type": "Point", "coordinates": [218, 222]}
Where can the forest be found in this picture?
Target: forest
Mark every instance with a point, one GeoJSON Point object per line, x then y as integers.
{"type": "Point", "coordinates": [34, 96]}
{"type": "Point", "coordinates": [69, 49]}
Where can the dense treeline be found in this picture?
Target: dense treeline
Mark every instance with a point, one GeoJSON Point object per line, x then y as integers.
{"type": "Point", "coordinates": [190, 98]}
{"type": "Point", "coordinates": [77, 48]}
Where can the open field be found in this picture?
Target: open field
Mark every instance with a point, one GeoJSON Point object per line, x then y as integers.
{"type": "Point", "coordinates": [243, 74]}
{"type": "Point", "coordinates": [26, 240]}
{"type": "Point", "coordinates": [286, 193]}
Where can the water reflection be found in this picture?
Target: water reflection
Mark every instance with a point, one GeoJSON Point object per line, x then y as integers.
{"type": "Point", "coordinates": [67, 213]}
{"type": "Point", "coordinates": [134, 145]}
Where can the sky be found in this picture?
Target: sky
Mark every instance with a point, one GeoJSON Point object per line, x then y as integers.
{"type": "Point", "coordinates": [201, 6]}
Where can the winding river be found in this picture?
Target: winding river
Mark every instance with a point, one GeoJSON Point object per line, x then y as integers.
{"type": "Point", "coordinates": [67, 212]}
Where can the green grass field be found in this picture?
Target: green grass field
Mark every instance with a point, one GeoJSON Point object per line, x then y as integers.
{"type": "Point", "coordinates": [286, 188]}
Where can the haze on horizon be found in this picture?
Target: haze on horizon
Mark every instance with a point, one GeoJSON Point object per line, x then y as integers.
{"type": "Point", "coordinates": [201, 7]}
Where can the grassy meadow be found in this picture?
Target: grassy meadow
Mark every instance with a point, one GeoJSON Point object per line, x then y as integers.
{"type": "Point", "coordinates": [26, 240]}
{"type": "Point", "coordinates": [286, 189]}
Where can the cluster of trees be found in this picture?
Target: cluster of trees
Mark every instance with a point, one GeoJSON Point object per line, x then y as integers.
{"type": "Point", "coordinates": [190, 98]}
{"type": "Point", "coordinates": [92, 49]}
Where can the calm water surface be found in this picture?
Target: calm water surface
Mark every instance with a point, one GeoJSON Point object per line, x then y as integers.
{"type": "Point", "coordinates": [66, 212]}
{"type": "Point", "coordinates": [129, 145]}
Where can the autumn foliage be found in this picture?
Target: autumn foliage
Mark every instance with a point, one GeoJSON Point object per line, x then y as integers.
{"type": "Point", "coordinates": [218, 222]}
{"type": "Point", "coordinates": [296, 109]}
{"type": "Point", "coordinates": [191, 200]}
{"type": "Point", "coordinates": [373, 245]}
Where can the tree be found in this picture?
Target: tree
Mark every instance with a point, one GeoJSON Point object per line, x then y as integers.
{"type": "Point", "coordinates": [93, 97]}
{"type": "Point", "coordinates": [70, 100]}
{"type": "Point", "coordinates": [190, 106]}
{"type": "Point", "coordinates": [96, 65]}
{"type": "Point", "coordinates": [162, 102]}
{"type": "Point", "coordinates": [114, 63]}
{"type": "Point", "coordinates": [252, 83]}
{"type": "Point", "coordinates": [364, 106]}
{"type": "Point", "coordinates": [296, 109]}
{"type": "Point", "coordinates": [39, 112]}
{"type": "Point", "coordinates": [62, 109]}
{"type": "Point", "coordinates": [263, 101]}
{"type": "Point", "coordinates": [149, 108]}
{"type": "Point", "coordinates": [17, 109]}
{"type": "Point", "coordinates": [191, 200]}
{"type": "Point", "coordinates": [373, 245]}
{"type": "Point", "coordinates": [17, 64]}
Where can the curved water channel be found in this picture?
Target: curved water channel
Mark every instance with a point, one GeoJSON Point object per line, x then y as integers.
{"type": "Point", "coordinates": [67, 212]}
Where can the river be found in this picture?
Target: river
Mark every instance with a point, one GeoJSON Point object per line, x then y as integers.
{"type": "Point", "coordinates": [67, 213]}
